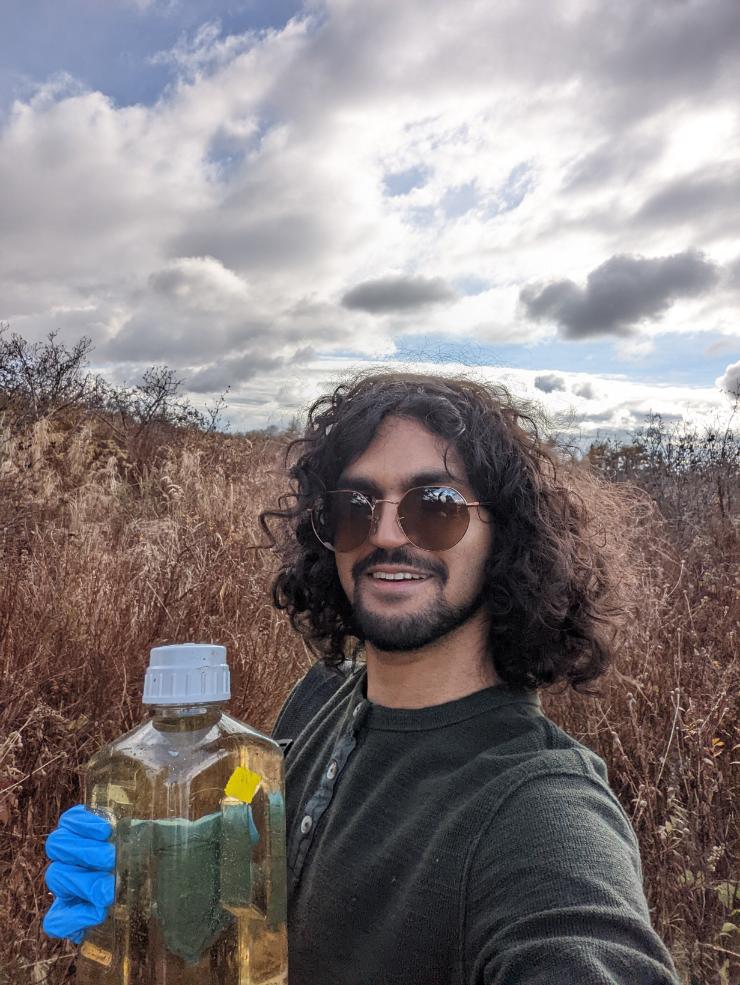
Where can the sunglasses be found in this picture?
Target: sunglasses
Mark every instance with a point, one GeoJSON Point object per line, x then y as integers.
{"type": "Point", "coordinates": [432, 518]}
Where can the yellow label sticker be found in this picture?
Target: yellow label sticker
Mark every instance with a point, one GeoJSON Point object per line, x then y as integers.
{"type": "Point", "coordinates": [95, 953]}
{"type": "Point", "coordinates": [243, 784]}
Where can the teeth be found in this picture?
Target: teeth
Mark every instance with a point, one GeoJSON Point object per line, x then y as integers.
{"type": "Point", "coordinates": [401, 576]}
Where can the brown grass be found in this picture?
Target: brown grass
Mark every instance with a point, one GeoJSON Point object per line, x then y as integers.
{"type": "Point", "coordinates": [106, 551]}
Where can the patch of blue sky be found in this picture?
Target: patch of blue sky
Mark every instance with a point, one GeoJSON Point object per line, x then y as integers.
{"type": "Point", "coordinates": [399, 183]}
{"type": "Point", "coordinates": [682, 360]}
{"type": "Point", "coordinates": [422, 216]}
{"type": "Point", "coordinates": [109, 46]}
{"type": "Point", "coordinates": [513, 191]}
{"type": "Point", "coordinates": [459, 200]}
{"type": "Point", "coordinates": [470, 285]}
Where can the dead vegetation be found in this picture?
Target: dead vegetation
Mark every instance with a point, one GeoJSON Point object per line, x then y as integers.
{"type": "Point", "coordinates": [115, 537]}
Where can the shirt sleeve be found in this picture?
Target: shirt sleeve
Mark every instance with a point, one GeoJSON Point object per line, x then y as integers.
{"type": "Point", "coordinates": [554, 889]}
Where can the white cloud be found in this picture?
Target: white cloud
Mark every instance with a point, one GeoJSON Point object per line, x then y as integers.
{"type": "Point", "coordinates": [730, 379]}
{"type": "Point", "coordinates": [220, 228]}
{"type": "Point", "coordinates": [589, 407]}
{"type": "Point", "coordinates": [204, 51]}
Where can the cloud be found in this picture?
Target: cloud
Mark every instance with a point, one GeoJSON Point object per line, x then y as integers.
{"type": "Point", "coordinates": [620, 293]}
{"type": "Point", "coordinates": [730, 379]}
{"type": "Point", "coordinates": [549, 382]}
{"type": "Point", "coordinates": [201, 282]}
{"type": "Point", "coordinates": [398, 294]}
{"type": "Point", "coordinates": [733, 274]}
{"type": "Point", "coordinates": [232, 372]}
{"type": "Point", "coordinates": [653, 56]}
{"type": "Point", "coordinates": [189, 309]}
{"type": "Point", "coordinates": [251, 199]}
{"type": "Point", "coordinates": [607, 162]}
{"type": "Point", "coordinates": [203, 51]}
{"type": "Point", "coordinates": [585, 390]}
{"type": "Point", "coordinates": [709, 193]}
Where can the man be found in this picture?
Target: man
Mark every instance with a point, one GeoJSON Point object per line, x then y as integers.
{"type": "Point", "coordinates": [440, 828]}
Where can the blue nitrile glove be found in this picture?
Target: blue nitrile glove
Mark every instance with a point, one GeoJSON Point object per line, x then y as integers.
{"type": "Point", "coordinates": [81, 874]}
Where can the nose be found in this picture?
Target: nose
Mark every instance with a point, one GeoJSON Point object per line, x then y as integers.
{"type": "Point", "coordinates": [385, 530]}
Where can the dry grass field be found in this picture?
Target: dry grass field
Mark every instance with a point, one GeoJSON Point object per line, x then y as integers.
{"type": "Point", "coordinates": [110, 544]}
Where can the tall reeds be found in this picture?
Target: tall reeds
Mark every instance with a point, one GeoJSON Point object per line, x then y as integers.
{"type": "Point", "coordinates": [108, 548]}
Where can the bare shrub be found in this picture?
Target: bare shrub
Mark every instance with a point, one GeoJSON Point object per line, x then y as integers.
{"type": "Point", "coordinates": [43, 378]}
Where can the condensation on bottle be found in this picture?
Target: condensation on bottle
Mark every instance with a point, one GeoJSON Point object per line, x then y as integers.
{"type": "Point", "coordinates": [197, 803]}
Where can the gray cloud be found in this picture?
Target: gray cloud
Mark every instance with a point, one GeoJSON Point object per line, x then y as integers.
{"type": "Point", "coordinates": [549, 382]}
{"type": "Point", "coordinates": [302, 355]}
{"type": "Point", "coordinates": [398, 294]}
{"type": "Point", "coordinates": [159, 334]}
{"type": "Point", "coordinates": [585, 390]}
{"type": "Point", "coordinates": [652, 55]}
{"type": "Point", "coordinates": [607, 162]}
{"type": "Point", "coordinates": [620, 293]}
{"type": "Point", "coordinates": [232, 372]}
{"type": "Point", "coordinates": [733, 274]}
{"type": "Point", "coordinates": [730, 379]}
{"type": "Point", "coordinates": [709, 193]}
{"type": "Point", "coordinates": [242, 241]}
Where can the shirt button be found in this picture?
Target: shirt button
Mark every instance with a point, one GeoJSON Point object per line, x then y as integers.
{"type": "Point", "coordinates": [332, 771]}
{"type": "Point", "coordinates": [306, 824]}
{"type": "Point", "coordinates": [356, 711]}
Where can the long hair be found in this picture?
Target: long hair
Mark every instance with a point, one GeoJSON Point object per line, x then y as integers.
{"type": "Point", "coordinates": [557, 580]}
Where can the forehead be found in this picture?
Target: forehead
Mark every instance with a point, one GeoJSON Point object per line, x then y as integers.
{"type": "Point", "coordinates": [405, 453]}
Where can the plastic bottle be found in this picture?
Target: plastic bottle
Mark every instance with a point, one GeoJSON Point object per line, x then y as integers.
{"type": "Point", "coordinates": [196, 799]}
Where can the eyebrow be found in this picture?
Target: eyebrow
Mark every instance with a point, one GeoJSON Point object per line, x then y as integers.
{"type": "Point", "coordinates": [433, 477]}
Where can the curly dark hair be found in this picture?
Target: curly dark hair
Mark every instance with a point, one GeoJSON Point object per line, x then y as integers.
{"type": "Point", "coordinates": [557, 580]}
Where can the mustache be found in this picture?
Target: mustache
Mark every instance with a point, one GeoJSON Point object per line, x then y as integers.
{"type": "Point", "coordinates": [401, 558]}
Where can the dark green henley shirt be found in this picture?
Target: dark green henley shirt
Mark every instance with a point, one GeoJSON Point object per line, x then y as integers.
{"type": "Point", "coordinates": [468, 843]}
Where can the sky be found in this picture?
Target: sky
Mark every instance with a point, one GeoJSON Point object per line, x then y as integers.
{"type": "Point", "coordinates": [266, 195]}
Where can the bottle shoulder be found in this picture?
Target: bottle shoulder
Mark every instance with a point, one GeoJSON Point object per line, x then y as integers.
{"type": "Point", "coordinates": [236, 727]}
{"type": "Point", "coordinates": [179, 771]}
{"type": "Point", "coordinates": [151, 744]}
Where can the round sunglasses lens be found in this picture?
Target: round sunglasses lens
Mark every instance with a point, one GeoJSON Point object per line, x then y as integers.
{"type": "Point", "coordinates": [434, 518]}
{"type": "Point", "coordinates": [342, 519]}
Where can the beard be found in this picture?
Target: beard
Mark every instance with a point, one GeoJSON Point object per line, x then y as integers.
{"type": "Point", "coordinates": [391, 633]}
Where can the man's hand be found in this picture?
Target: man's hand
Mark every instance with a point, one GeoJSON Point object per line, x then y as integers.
{"type": "Point", "coordinates": [81, 874]}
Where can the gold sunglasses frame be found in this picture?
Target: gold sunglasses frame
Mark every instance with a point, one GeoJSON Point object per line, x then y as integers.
{"type": "Point", "coordinates": [373, 502]}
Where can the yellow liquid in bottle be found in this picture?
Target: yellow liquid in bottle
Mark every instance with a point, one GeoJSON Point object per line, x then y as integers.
{"type": "Point", "coordinates": [200, 875]}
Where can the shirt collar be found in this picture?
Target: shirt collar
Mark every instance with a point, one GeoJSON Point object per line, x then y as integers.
{"type": "Point", "coordinates": [361, 711]}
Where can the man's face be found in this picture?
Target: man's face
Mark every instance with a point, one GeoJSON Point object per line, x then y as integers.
{"type": "Point", "coordinates": [407, 615]}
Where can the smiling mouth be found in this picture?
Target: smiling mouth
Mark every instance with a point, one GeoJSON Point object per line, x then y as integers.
{"type": "Point", "coordinates": [397, 582]}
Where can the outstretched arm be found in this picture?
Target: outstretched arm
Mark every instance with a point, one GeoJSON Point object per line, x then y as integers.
{"type": "Point", "coordinates": [554, 890]}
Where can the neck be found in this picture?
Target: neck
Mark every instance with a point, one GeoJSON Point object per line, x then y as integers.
{"type": "Point", "coordinates": [186, 718]}
{"type": "Point", "coordinates": [448, 669]}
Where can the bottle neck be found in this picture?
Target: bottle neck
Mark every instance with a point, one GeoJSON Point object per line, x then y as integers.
{"type": "Point", "coordinates": [186, 718]}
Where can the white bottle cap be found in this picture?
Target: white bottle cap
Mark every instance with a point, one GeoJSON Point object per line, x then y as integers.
{"type": "Point", "coordinates": [187, 674]}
